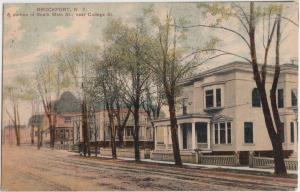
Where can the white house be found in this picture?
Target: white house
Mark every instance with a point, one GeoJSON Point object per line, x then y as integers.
{"type": "Point", "coordinates": [220, 114]}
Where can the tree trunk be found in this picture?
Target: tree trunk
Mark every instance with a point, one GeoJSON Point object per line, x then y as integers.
{"type": "Point", "coordinates": [39, 137]}
{"type": "Point", "coordinates": [280, 168]}
{"type": "Point", "coordinates": [112, 136]}
{"type": "Point", "coordinates": [112, 127]}
{"type": "Point", "coordinates": [174, 134]}
{"type": "Point", "coordinates": [32, 135]}
{"type": "Point", "coordinates": [121, 136]}
{"type": "Point", "coordinates": [274, 137]}
{"type": "Point", "coordinates": [86, 147]}
{"type": "Point", "coordinates": [136, 133]}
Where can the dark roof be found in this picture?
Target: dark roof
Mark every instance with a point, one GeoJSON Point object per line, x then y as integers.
{"type": "Point", "coordinates": [36, 120]}
{"type": "Point", "coordinates": [67, 103]}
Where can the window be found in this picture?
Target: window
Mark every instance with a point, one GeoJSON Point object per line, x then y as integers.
{"type": "Point", "coordinates": [255, 98]}
{"type": "Point", "coordinates": [67, 133]}
{"type": "Point", "coordinates": [248, 132]}
{"type": "Point", "coordinates": [184, 106]}
{"type": "Point", "coordinates": [213, 98]}
{"type": "Point", "coordinates": [201, 132]}
{"type": "Point", "coordinates": [209, 96]}
{"type": "Point", "coordinates": [128, 131]}
{"type": "Point", "coordinates": [282, 132]}
{"type": "Point", "coordinates": [294, 98]}
{"type": "Point", "coordinates": [280, 98]}
{"type": "Point", "coordinates": [67, 119]}
{"type": "Point", "coordinates": [216, 134]}
{"type": "Point", "coordinates": [218, 97]}
{"type": "Point", "coordinates": [292, 132]}
{"type": "Point", "coordinates": [62, 135]}
{"type": "Point", "coordinates": [228, 132]}
{"type": "Point", "coordinates": [222, 133]}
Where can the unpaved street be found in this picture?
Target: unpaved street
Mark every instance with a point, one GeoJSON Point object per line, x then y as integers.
{"type": "Point", "coordinates": [26, 168]}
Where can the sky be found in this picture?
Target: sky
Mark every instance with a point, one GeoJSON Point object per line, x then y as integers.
{"type": "Point", "coordinates": [27, 38]}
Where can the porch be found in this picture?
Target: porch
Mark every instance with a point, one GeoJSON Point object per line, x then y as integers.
{"type": "Point", "coordinates": [194, 134]}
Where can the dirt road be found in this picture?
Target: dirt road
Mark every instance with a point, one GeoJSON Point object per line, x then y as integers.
{"type": "Point", "coordinates": [26, 168]}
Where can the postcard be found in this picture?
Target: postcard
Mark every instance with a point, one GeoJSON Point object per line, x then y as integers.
{"type": "Point", "coordinates": [150, 96]}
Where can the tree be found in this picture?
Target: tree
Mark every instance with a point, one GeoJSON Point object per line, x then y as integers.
{"type": "Point", "coordinates": [249, 20]}
{"type": "Point", "coordinates": [12, 94]}
{"type": "Point", "coordinates": [122, 118]}
{"type": "Point", "coordinates": [50, 80]}
{"type": "Point", "coordinates": [104, 88]}
{"type": "Point", "coordinates": [76, 60]}
{"type": "Point", "coordinates": [153, 101]}
{"type": "Point", "coordinates": [131, 44]}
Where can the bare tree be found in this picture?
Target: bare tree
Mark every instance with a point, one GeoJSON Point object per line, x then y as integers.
{"type": "Point", "coordinates": [249, 19]}
{"type": "Point", "coordinates": [76, 60]}
{"type": "Point", "coordinates": [50, 81]}
{"type": "Point", "coordinates": [104, 87]}
{"type": "Point", "coordinates": [11, 94]}
{"type": "Point", "coordinates": [131, 44]}
{"type": "Point", "coordinates": [153, 101]}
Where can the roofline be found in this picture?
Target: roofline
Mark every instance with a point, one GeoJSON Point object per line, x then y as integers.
{"type": "Point", "coordinates": [236, 65]}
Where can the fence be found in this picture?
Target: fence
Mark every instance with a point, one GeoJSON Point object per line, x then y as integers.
{"type": "Point", "coordinates": [218, 159]}
{"type": "Point", "coordinates": [267, 162]}
{"type": "Point", "coordinates": [62, 146]}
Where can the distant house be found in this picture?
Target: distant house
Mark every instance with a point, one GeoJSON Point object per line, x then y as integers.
{"type": "Point", "coordinates": [99, 130]}
{"type": "Point", "coordinates": [9, 135]}
{"type": "Point", "coordinates": [67, 107]}
{"type": "Point", "coordinates": [221, 114]}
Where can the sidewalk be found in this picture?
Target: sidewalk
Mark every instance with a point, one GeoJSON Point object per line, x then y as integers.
{"type": "Point", "coordinates": [205, 166]}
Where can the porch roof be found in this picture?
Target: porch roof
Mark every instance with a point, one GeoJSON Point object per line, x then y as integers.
{"type": "Point", "coordinates": [185, 117]}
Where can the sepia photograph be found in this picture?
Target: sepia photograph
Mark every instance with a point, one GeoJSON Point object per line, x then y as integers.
{"type": "Point", "coordinates": [150, 96]}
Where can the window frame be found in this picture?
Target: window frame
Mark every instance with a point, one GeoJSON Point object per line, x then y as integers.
{"type": "Point", "coordinates": [280, 100]}
{"type": "Point", "coordinates": [292, 132]}
{"type": "Point", "coordinates": [254, 96]}
{"type": "Point", "coordinates": [218, 97]}
{"type": "Point", "coordinates": [252, 131]}
{"type": "Point", "coordinates": [217, 140]}
{"type": "Point", "coordinates": [67, 119]}
{"type": "Point", "coordinates": [294, 97]}
{"type": "Point", "coordinates": [212, 99]}
{"type": "Point", "coordinates": [197, 132]}
{"type": "Point", "coordinates": [184, 106]}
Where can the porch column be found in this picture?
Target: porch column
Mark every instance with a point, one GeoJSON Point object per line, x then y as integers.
{"type": "Point", "coordinates": [208, 135]}
{"type": "Point", "coordinates": [179, 136]}
{"type": "Point", "coordinates": [193, 136]}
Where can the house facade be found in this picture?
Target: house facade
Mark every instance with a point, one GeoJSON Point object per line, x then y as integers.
{"type": "Point", "coordinates": [9, 135]}
{"type": "Point", "coordinates": [65, 109]}
{"type": "Point", "coordinates": [220, 113]}
{"type": "Point", "coordinates": [100, 134]}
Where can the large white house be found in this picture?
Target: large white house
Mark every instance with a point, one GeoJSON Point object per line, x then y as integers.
{"type": "Point", "coordinates": [221, 114]}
